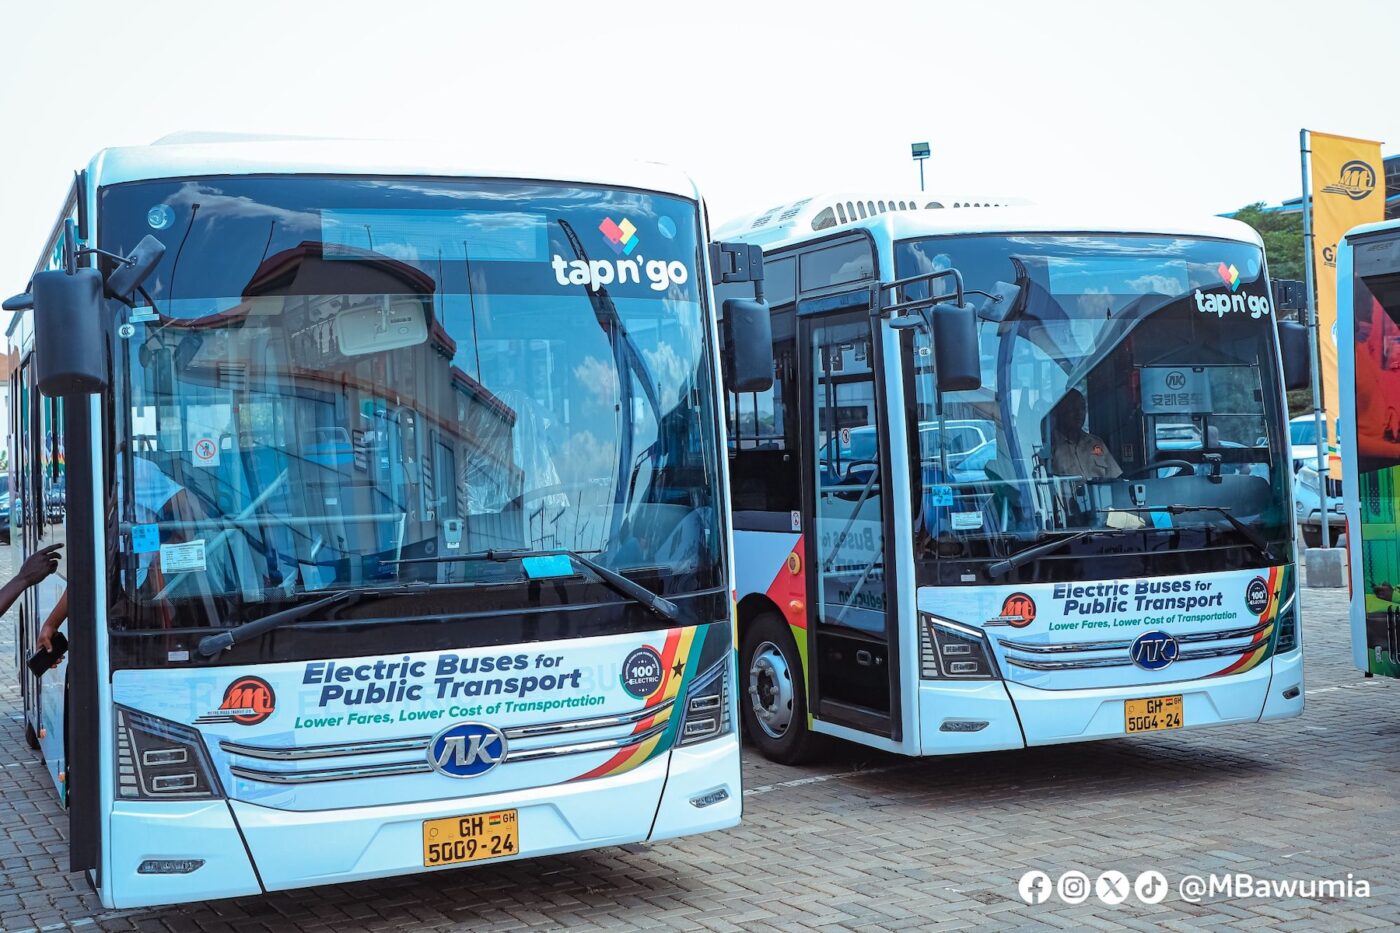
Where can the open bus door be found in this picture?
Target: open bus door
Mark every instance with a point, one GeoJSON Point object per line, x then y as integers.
{"type": "Point", "coordinates": [852, 633]}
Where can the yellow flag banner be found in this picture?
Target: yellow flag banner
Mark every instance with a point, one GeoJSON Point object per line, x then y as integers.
{"type": "Point", "coordinates": [1348, 188]}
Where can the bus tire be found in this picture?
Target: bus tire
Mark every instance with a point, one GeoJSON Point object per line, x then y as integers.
{"type": "Point", "coordinates": [773, 693]}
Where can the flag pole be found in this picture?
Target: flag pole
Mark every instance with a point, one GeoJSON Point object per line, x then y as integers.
{"type": "Point", "coordinates": [1314, 345]}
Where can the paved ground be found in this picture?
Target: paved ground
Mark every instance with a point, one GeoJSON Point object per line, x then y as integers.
{"type": "Point", "coordinates": [866, 841]}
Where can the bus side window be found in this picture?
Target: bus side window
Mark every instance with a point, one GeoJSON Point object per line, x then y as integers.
{"type": "Point", "coordinates": [763, 470]}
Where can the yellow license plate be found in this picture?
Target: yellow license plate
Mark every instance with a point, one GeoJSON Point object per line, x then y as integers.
{"type": "Point", "coordinates": [470, 838]}
{"type": "Point", "coordinates": [1153, 714]}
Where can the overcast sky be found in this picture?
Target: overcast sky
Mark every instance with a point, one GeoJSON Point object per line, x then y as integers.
{"type": "Point", "coordinates": [1190, 105]}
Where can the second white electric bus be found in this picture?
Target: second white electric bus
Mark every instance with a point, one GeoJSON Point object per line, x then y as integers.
{"type": "Point", "coordinates": [1022, 478]}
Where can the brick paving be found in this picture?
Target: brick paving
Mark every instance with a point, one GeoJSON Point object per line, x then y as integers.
{"type": "Point", "coordinates": [865, 841]}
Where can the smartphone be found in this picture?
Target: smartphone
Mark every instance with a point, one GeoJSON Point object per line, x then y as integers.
{"type": "Point", "coordinates": [41, 661]}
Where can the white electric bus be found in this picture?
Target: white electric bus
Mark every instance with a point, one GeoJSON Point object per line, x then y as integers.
{"type": "Point", "coordinates": [1368, 340]}
{"type": "Point", "coordinates": [392, 491]}
{"type": "Point", "coordinates": [1022, 478]}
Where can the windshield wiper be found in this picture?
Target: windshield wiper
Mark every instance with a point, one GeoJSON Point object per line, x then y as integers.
{"type": "Point", "coordinates": [1253, 537]}
{"type": "Point", "coordinates": [616, 581]}
{"type": "Point", "coordinates": [211, 645]}
{"type": "Point", "coordinates": [1024, 556]}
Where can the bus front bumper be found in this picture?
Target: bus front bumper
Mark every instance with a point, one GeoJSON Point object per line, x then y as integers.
{"type": "Point", "coordinates": [993, 715]}
{"type": "Point", "coordinates": [293, 849]}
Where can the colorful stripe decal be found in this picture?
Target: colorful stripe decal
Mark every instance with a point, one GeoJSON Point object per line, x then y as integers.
{"type": "Point", "coordinates": [1278, 579]}
{"type": "Point", "coordinates": [676, 662]}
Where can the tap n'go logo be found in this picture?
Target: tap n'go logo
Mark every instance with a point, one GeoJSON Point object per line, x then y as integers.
{"type": "Point", "coordinates": [622, 236]}
{"type": "Point", "coordinates": [1230, 275]}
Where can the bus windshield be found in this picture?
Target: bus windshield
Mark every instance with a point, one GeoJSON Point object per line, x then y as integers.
{"type": "Point", "coordinates": [1131, 387]}
{"type": "Point", "coordinates": [348, 382]}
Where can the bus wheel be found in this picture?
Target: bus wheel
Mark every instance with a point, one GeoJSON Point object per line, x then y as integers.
{"type": "Point", "coordinates": [773, 697]}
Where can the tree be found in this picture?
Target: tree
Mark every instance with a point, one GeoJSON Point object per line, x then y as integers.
{"type": "Point", "coordinates": [1283, 238]}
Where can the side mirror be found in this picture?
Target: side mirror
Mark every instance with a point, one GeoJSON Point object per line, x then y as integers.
{"type": "Point", "coordinates": [1297, 360]}
{"type": "Point", "coordinates": [70, 333]}
{"type": "Point", "coordinates": [123, 282]}
{"type": "Point", "coordinates": [749, 329]}
{"type": "Point", "coordinates": [956, 355]}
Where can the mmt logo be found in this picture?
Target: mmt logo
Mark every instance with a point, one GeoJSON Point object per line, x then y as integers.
{"type": "Point", "coordinates": [467, 749]}
{"type": "Point", "coordinates": [622, 237]}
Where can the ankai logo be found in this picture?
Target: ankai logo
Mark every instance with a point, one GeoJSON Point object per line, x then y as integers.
{"type": "Point", "coordinates": [1230, 275]}
{"type": "Point", "coordinates": [622, 237]}
{"type": "Point", "coordinates": [467, 749]}
{"type": "Point", "coordinates": [247, 701]}
{"type": "Point", "coordinates": [1153, 651]}
{"type": "Point", "coordinates": [1356, 180]}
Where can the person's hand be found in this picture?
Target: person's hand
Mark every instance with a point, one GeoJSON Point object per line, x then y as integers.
{"type": "Point", "coordinates": [46, 631]}
{"type": "Point", "coordinates": [39, 565]}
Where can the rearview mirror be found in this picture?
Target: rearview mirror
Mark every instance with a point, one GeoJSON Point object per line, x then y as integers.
{"type": "Point", "coordinates": [1297, 358]}
{"type": "Point", "coordinates": [384, 325]}
{"type": "Point", "coordinates": [999, 307]}
{"type": "Point", "coordinates": [750, 338]}
{"type": "Point", "coordinates": [124, 281]}
{"type": "Point", "coordinates": [70, 333]}
{"type": "Point", "coordinates": [957, 358]}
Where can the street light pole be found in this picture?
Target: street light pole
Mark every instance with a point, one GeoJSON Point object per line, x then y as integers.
{"type": "Point", "coordinates": [1319, 416]}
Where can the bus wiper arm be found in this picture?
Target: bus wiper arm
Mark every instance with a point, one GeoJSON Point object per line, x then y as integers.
{"type": "Point", "coordinates": [616, 581]}
{"type": "Point", "coordinates": [211, 645]}
{"type": "Point", "coordinates": [1002, 567]}
{"type": "Point", "coordinates": [1253, 537]}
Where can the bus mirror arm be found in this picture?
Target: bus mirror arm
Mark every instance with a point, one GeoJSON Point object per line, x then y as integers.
{"type": "Point", "coordinates": [70, 330]}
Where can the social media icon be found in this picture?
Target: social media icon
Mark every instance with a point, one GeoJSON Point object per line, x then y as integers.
{"type": "Point", "coordinates": [1073, 887]}
{"type": "Point", "coordinates": [1035, 887]}
{"type": "Point", "coordinates": [1112, 887]}
{"type": "Point", "coordinates": [1150, 887]}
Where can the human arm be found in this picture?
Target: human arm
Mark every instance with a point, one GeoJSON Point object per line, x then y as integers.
{"type": "Point", "coordinates": [35, 568]}
{"type": "Point", "coordinates": [57, 614]}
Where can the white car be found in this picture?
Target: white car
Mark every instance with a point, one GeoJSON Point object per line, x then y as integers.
{"type": "Point", "coordinates": [1307, 485]}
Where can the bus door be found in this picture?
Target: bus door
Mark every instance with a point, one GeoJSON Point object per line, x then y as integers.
{"type": "Point", "coordinates": [851, 639]}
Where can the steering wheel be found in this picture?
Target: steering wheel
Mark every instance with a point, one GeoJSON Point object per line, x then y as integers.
{"type": "Point", "coordinates": [1160, 465]}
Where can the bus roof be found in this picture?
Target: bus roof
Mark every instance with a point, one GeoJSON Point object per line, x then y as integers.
{"type": "Point", "coordinates": [927, 215]}
{"type": "Point", "coordinates": [199, 154]}
{"type": "Point", "coordinates": [1378, 227]}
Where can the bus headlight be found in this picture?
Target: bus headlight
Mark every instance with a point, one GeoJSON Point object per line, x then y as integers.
{"type": "Point", "coordinates": [706, 712]}
{"type": "Point", "coordinates": [161, 760]}
{"type": "Point", "coordinates": [951, 651]}
{"type": "Point", "coordinates": [1287, 627]}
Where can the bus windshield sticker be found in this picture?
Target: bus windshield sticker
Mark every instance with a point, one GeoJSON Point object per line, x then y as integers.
{"type": "Point", "coordinates": [544, 567]}
{"type": "Point", "coordinates": [431, 236]}
{"type": "Point", "coordinates": [942, 497]}
{"type": "Point", "coordinates": [1170, 389]}
{"type": "Point", "coordinates": [145, 539]}
{"type": "Point", "coordinates": [179, 558]}
{"type": "Point", "coordinates": [206, 451]}
{"type": "Point", "coordinates": [967, 521]}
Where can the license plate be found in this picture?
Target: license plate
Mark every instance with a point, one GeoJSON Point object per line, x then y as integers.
{"type": "Point", "coordinates": [1153, 714]}
{"type": "Point", "coordinates": [470, 838]}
